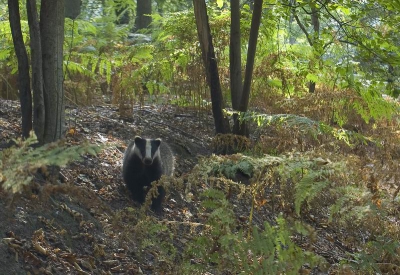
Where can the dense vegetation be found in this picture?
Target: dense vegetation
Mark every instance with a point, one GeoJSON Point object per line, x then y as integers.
{"type": "Point", "coordinates": [317, 160]}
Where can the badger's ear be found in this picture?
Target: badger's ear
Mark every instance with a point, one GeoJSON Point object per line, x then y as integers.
{"type": "Point", "coordinates": [157, 141]}
{"type": "Point", "coordinates": [138, 139]}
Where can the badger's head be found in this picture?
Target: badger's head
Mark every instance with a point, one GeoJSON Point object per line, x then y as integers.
{"type": "Point", "coordinates": [147, 149]}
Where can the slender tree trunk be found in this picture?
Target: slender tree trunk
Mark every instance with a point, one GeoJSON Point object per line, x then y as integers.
{"type": "Point", "coordinates": [52, 38]}
{"type": "Point", "coordinates": [315, 24]}
{"type": "Point", "coordinates": [235, 58]}
{"type": "Point", "coordinates": [143, 9]}
{"type": "Point", "coordinates": [23, 68]}
{"type": "Point", "coordinates": [37, 72]}
{"type": "Point", "coordinates": [235, 67]}
{"type": "Point", "coordinates": [251, 53]}
{"type": "Point", "coordinates": [292, 38]}
{"type": "Point", "coordinates": [211, 66]}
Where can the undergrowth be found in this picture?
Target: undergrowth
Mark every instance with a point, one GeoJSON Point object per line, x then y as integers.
{"type": "Point", "coordinates": [260, 214]}
{"type": "Point", "coordinates": [223, 248]}
{"type": "Point", "coordinates": [20, 163]}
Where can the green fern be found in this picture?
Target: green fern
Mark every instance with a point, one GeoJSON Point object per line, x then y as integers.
{"type": "Point", "coordinates": [312, 176]}
{"type": "Point", "coordinates": [373, 105]}
{"type": "Point", "coordinates": [306, 126]}
{"type": "Point", "coordinates": [375, 257]}
{"type": "Point", "coordinates": [265, 251]}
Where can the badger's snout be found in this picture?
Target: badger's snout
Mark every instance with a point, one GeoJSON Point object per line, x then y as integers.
{"type": "Point", "coordinates": [147, 161]}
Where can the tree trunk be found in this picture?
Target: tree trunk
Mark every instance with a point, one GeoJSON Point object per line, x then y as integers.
{"type": "Point", "coordinates": [143, 9]}
{"type": "Point", "coordinates": [235, 66]}
{"type": "Point", "coordinates": [211, 66]}
{"type": "Point", "coordinates": [315, 23]}
{"type": "Point", "coordinates": [72, 8]}
{"type": "Point", "coordinates": [52, 38]}
{"type": "Point", "coordinates": [235, 59]}
{"type": "Point", "coordinates": [23, 68]}
{"type": "Point", "coordinates": [251, 53]}
{"type": "Point", "coordinates": [292, 38]}
{"type": "Point", "coordinates": [37, 73]}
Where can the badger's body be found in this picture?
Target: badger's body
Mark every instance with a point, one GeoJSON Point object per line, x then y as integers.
{"type": "Point", "coordinates": [145, 161]}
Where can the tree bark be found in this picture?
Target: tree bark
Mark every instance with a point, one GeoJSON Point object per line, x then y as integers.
{"type": "Point", "coordinates": [52, 38]}
{"type": "Point", "coordinates": [235, 67]}
{"type": "Point", "coordinates": [315, 23]}
{"type": "Point", "coordinates": [23, 68]}
{"type": "Point", "coordinates": [235, 58]}
{"type": "Point", "coordinates": [143, 9]}
{"type": "Point", "coordinates": [251, 53]}
{"type": "Point", "coordinates": [37, 72]}
{"type": "Point", "coordinates": [72, 8]}
{"type": "Point", "coordinates": [211, 66]}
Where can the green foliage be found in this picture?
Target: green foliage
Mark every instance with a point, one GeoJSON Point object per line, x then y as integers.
{"type": "Point", "coordinates": [265, 251]}
{"type": "Point", "coordinates": [308, 185]}
{"type": "Point", "coordinates": [370, 259]}
{"type": "Point", "coordinates": [374, 106]}
{"type": "Point", "coordinates": [306, 126]}
{"type": "Point", "coordinates": [19, 164]}
{"type": "Point", "coordinates": [101, 53]}
{"type": "Point", "coordinates": [157, 235]}
{"type": "Point", "coordinates": [311, 176]}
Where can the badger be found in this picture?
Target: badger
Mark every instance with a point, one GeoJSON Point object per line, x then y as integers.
{"type": "Point", "coordinates": [145, 160]}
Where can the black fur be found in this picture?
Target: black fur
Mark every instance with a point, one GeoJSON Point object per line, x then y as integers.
{"type": "Point", "coordinates": [139, 173]}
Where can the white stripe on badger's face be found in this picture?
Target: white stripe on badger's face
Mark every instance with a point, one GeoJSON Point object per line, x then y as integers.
{"type": "Point", "coordinates": [148, 149]}
{"type": "Point", "coordinates": [148, 158]}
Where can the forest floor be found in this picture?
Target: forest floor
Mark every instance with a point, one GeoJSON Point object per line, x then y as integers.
{"type": "Point", "coordinates": [81, 223]}
{"type": "Point", "coordinates": [71, 216]}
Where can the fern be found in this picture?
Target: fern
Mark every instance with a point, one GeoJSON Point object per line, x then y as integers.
{"type": "Point", "coordinates": [230, 168]}
{"type": "Point", "coordinates": [77, 68]}
{"type": "Point", "coordinates": [376, 257]}
{"type": "Point", "coordinates": [373, 105]}
{"type": "Point", "coordinates": [19, 164]}
{"type": "Point", "coordinates": [306, 126]}
{"type": "Point", "coordinates": [266, 251]}
{"type": "Point", "coordinates": [314, 177]}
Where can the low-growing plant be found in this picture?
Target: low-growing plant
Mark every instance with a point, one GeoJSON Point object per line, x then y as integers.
{"type": "Point", "coordinates": [221, 247]}
{"type": "Point", "coordinates": [19, 163]}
